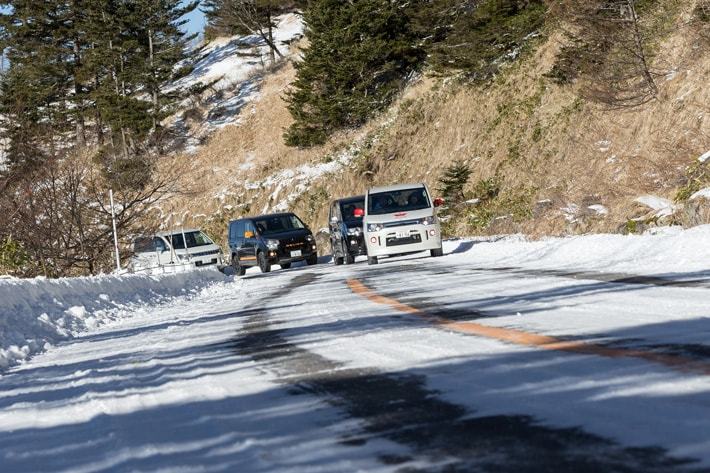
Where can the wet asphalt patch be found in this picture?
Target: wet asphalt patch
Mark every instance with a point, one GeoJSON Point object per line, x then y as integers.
{"type": "Point", "coordinates": [447, 437]}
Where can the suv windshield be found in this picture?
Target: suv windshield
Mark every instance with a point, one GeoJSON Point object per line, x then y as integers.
{"type": "Point", "coordinates": [347, 210]}
{"type": "Point", "coordinates": [277, 224]}
{"type": "Point", "coordinates": [194, 239]}
{"type": "Point", "coordinates": [405, 200]}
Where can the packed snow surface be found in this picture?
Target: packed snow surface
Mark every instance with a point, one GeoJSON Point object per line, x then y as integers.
{"type": "Point", "coordinates": [268, 373]}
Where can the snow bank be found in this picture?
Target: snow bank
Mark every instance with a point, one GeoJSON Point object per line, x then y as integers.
{"type": "Point", "coordinates": [667, 251]}
{"type": "Point", "coordinates": [36, 313]}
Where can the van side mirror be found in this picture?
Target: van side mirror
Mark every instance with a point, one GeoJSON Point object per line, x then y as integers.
{"type": "Point", "coordinates": [358, 212]}
{"type": "Point", "coordinates": [248, 234]}
{"type": "Point", "coordinates": [438, 202]}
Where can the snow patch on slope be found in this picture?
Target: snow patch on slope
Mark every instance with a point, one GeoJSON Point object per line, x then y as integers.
{"type": "Point", "coordinates": [234, 68]}
{"type": "Point", "coordinates": [663, 207]}
{"type": "Point", "coordinates": [37, 313]}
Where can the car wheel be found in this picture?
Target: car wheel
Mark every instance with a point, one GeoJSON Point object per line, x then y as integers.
{"type": "Point", "coordinates": [311, 260]}
{"type": "Point", "coordinates": [372, 260]}
{"type": "Point", "coordinates": [337, 260]}
{"type": "Point", "coordinates": [285, 265]}
{"type": "Point", "coordinates": [437, 252]}
{"type": "Point", "coordinates": [264, 264]}
{"type": "Point", "coordinates": [238, 270]}
{"type": "Point", "coordinates": [349, 259]}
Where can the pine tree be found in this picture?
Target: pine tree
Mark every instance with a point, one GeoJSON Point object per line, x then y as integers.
{"type": "Point", "coordinates": [359, 56]}
{"type": "Point", "coordinates": [453, 181]}
{"type": "Point", "coordinates": [478, 36]}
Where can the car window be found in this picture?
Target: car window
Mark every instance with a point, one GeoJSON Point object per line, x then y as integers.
{"type": "Point", "coordinates": [278, 224]}
{"type": "Point", "coordinates": [348, 211]}
{"type": "Point", "coordinates": [406, 200]}
{"type": "Point", "coordinates": [194, 239]}
{"type": "Point", "coordinates": [159, 244]}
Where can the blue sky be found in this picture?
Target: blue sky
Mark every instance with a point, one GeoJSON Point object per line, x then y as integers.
{"type": "Point", "coordinates": [197, 21]}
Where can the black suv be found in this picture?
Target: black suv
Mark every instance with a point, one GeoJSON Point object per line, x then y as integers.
{"type": "Point", "coordinates": [270, 239]}
{"type": "Point", "coordinates": [346, 237]}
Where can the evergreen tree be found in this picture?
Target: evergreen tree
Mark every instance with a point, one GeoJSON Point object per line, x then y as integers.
{"type": "Point", "coordinates": [453, 181]}
{"type": "Point", "coordinates": [358, 58]}
{"type": "Point", "coordinates": [478, 36]}
{"type": "Point", "coordinates": [77, 65]}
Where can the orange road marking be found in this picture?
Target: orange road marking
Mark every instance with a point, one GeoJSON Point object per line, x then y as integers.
{"type": "Point", "coordinates": [520, 337]}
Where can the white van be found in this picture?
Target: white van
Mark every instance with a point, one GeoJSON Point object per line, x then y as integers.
{"type": "Point", "coordinates": [191, 248]}
{"type": "Point", "coordinates": [401, 219]}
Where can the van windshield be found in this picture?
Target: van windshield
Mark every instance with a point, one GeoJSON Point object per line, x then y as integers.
{"type": "Point", "coordinates": [405, 200]}
{"type": "Point", "coordinates": [347, 210]}
{"type": "Point", "coordinates": [277, 224]}
{"type": "Point", "coordinates": [194, 239]}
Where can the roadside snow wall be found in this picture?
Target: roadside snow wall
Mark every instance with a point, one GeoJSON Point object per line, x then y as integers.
{"type": "Point", "coordinates": [36, 313]}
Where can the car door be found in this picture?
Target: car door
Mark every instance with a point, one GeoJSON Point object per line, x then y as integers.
{"type": "Point", "coordinates": [247, 252]}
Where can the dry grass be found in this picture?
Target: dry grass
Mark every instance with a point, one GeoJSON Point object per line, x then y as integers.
{"type": "Point", "coordinates": [537, 137]}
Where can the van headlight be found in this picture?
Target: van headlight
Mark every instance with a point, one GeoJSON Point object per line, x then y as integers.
{"type": "Point", "coordinates": [427, 221]}
{"type": "Point", "coordinates": [273, 245]}
{"type": "Point", "coordinates": [354, 231]}
{"type": "Point", "coordinates": [374, 227]}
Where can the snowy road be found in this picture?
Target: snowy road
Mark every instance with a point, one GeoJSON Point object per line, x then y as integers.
{"type": "Point", "coordinates": [417, 364]}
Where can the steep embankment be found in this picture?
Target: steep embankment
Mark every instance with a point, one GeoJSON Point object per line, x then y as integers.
{"type": "Point", "coordinates": [548, 161]}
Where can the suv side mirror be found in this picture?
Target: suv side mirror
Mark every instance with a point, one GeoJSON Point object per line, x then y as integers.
{"type": "Point", "coordinates": [359, 212]}
{"type": "Point", "coordinates": [248, 234]}
{"type": "Point", "coordinates": [438, 202]}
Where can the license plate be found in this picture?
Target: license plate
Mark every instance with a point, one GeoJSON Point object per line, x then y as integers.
{"type": "Point", "coordinates": [296, 253]}
{"type": "Point", "coordinates": [402, 234]}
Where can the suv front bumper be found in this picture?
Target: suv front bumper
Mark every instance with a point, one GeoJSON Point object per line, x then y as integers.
{"type": "Point", "coordinates": [400, 240]}
{"type": "Point", "coordinates": [281, 256]}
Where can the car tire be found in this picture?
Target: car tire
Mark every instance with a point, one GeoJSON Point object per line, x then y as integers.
{"type": "Point", "coordinates": [349, 259]}
{"type": "Point", "coordinates": [264, 264]}
{"type": "Point", "coordinates": [311, 260]}
{"type": "Point", "coordinates": [372, 260]}
{"type": "Point", "coordinates": [238, 270]}
{"type": "Point", "coordinates": [285, 265]}
{"type": "Point", "coordinates": [437, 252]}
{"type": "Point", "coordinates": [337, 260]}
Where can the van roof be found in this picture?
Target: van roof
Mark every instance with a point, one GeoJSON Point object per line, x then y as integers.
{"type": "Point", "coordinates": [346, 200]}
{"type": "Point", "coordinates": [281, 214]}
{"type": "Point", "coordinates": [178, 232]}
{"type": "Point", "coordinates": [396, 187]}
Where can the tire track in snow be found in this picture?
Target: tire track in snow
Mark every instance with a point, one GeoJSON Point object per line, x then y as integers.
{"type": "Point", "coordinates": [441, 436]}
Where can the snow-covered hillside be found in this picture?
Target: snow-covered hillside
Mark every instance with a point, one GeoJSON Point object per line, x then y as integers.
{"type": "Point", "coordinates": [232, 69]}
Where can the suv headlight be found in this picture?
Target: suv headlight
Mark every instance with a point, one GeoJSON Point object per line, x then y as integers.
{"type": "Point", "coordinates": [273, 245]}
{"type": "Point", "coordinates": [374, 227]}
{"type": "Point", "coordinates": [354, 231]}
{"type": "Point", "coordinates": [309, 237]}
{"type": "Point", "coordinates": [427, 221]}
